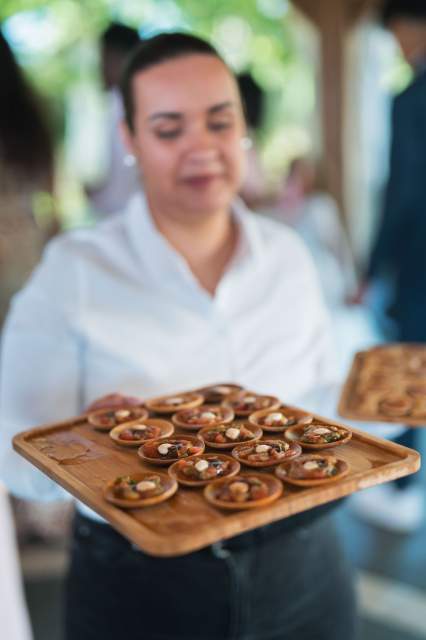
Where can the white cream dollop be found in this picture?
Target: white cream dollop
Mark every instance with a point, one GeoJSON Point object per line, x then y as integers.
{"type": "Point", "coordinates": [174, 400]}
{"type": "Point", "coordinates": [122, 413]}
{"type": "Point", "coordinates": [321, 431]}
{"type": "Point", "coordinates": [163, 448]}
{"type": "Point", "coordinates": [262, 448]}
{"type": "Point", "coordinates": [310, 465]}
{"type": "Point", "coordinates": [208, 415]}
{"type": "Point", "coordinates": [221, 389]}
{"type": "Point", "coordinates": [201, 465]}
{"type": "Point", "coordinates": [145, 485]}
{"type": "Point", "coordinates": [232, 433]}
{"type": "Point", "coordinates": [274, 417]}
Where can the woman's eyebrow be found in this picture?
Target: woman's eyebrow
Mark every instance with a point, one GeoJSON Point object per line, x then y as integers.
{"type": "Point", "coordinates": [221, 106]}
{"type": "Point", "coordinates": [171, 115]}
{"type": "Point", "coordinates": [176, 115]}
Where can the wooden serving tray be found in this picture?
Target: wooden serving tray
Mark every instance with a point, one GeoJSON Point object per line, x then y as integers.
{"type": "Point", "coordinates": [83, 460]}
{"type": "Point", "coordinates": [358, 401]}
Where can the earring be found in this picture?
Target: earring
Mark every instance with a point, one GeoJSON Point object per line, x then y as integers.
{"type": "Point", "coordinates": [129, 160]}
{"type": "Point", "coordinates": [246, 143]}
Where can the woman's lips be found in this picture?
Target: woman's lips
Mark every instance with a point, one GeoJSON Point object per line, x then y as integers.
{"type": "Point", "coordinates": [202, 181]}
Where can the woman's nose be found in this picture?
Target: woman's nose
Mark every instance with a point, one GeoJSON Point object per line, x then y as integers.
{"type": "Point", "coordinates": [201, 155]}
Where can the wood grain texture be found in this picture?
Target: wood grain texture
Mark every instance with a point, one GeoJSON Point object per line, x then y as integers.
{"type": "Point", "coordinates": [83, 461]}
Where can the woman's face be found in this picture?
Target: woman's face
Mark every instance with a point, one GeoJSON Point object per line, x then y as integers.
{"type": "Point", "coordinates": [188, 125]}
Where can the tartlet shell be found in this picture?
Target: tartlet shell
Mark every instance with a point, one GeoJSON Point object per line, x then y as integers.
{"type": "Point", "coordinates": [202, 483]}
{"type": "Point", "coordinates": [305, 418]}
{"type": "Point", "coordinates": [212, 398]}
{"type": "Point", "coordinates": [293, 434]}
{"type": "Point", "coordinates": [179, 422]}
{"type": "Point", "coordinates": [171, 484]}
{"type": "Point", "coordinates": [274, 485]}
{"type": "Point", "coordinates": [257, 434]}
{"type": "Point", "coordinates": [92, 415]}
{"type": "Point", "coordinates": [292, 453]}
{"type": "Point", "coordinates": [196, 441]}
{"type": "Point", "coordinates": [276, 403]}
{"type": "Point", "coordinates": [157, 404]}
{"type": "Point", "coordinates": [280, 472]}
{"type": "Point", "coordinates": [167, 429]}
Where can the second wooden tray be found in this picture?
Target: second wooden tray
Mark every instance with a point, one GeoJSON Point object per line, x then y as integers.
{"type": "Point", "coordinates": [360, 399]}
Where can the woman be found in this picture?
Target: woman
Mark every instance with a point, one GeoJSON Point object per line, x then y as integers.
{"type": "Point", "coordinates": [184, 289]}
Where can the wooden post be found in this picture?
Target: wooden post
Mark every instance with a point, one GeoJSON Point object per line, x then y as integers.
{"type": "Point", "coordinates": [332, 23]}
{"type": "Point", "coordinates": [333, 19]}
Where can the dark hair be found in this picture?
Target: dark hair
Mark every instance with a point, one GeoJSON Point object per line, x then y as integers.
{"type": "Point", "coordinates": [253, 99]}
{"type": "Point", "coordinates": [394, 9]}
{"type": "Point", "coordinates": [26, 144]}
{"type": "Point", "coordinates": [120, 38]}
{"type": "Point", "coordinates": [165, 46]}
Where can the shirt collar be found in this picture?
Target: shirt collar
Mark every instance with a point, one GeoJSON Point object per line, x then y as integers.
{"type": "Point", "coordinates": [156, 253]}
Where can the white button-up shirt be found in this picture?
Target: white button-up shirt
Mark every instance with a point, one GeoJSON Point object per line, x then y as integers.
{"type": "Point", "coordinates": [117, 309]}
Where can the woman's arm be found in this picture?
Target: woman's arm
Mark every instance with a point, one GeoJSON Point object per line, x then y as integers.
{"type": "Point", "coordinates": [40, 365]}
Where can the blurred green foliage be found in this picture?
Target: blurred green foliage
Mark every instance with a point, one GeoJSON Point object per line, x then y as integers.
{"type": "Point", "coordinates": [56, 42]}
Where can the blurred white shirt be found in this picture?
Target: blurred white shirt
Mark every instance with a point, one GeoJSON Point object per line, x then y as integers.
{"type": "Point", "coordinates": [117, 309]}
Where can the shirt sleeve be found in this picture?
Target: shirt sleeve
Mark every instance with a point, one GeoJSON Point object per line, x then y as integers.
{"type": "Point", "coordinates": [40, 365]}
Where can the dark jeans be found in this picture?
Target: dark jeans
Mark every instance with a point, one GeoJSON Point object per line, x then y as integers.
{"type": "Point", "coordinates": [269, 584]}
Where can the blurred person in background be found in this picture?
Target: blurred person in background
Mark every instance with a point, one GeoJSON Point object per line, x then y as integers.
{"type": "Point", "coordinates": [253, 189]}
{"type": "Point", "coordinates": [305, 205]}
{"type": "Point", "coordinates": [398, 255]}
{"type": "Point", "coordinates": [27, 214]}
{"type": "Point", "coordinates": [27, 221]}
{"type": "Point", "coordinates": [183, 289]}
{"type": "Point", "coordinates": [121, 180]}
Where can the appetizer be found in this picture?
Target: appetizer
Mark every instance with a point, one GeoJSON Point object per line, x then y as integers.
{"type": "Point", "coordinates": [417, 390]}
{"type": "Point", "coordinates": [215, 394]}
{"type": "Point", "coordinates": [203, 469]}
{"type": "Point", "coordinates": [168, 450]}
{"type": "Point", "coordinates": [387, 383]}
{"type": "Point", "coordinates": [226, 436]}
{"type": "Point", "coordinates": [266, 453]}
{"type": "Point", "coordinates": [318, 435]}
{"type": "Point", "coordinates": [203, 416]}
{"type": "Point", "coordinates": [244, 403]}
{"type": "Point", "coordinates": [107, 419]}
{"type": "Point", "coordinates": [135, 433]}
{"type": "Point", "coordinates": [278, 419]}
{"type": "Point", "coordinates": [416, 364]}
{"type": "Point", "coordinates": [396, 405]}
{"type": "Point", "coordinates": [140, 489]}
{"type": "Point", "coordinates": [379, 381]}
{"type": "Point", "coordinates": [312, 469]}
{"type": "Point", "coordinates": [171, 404]}
{"type": "Point", "coordinates": [244, 491]}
